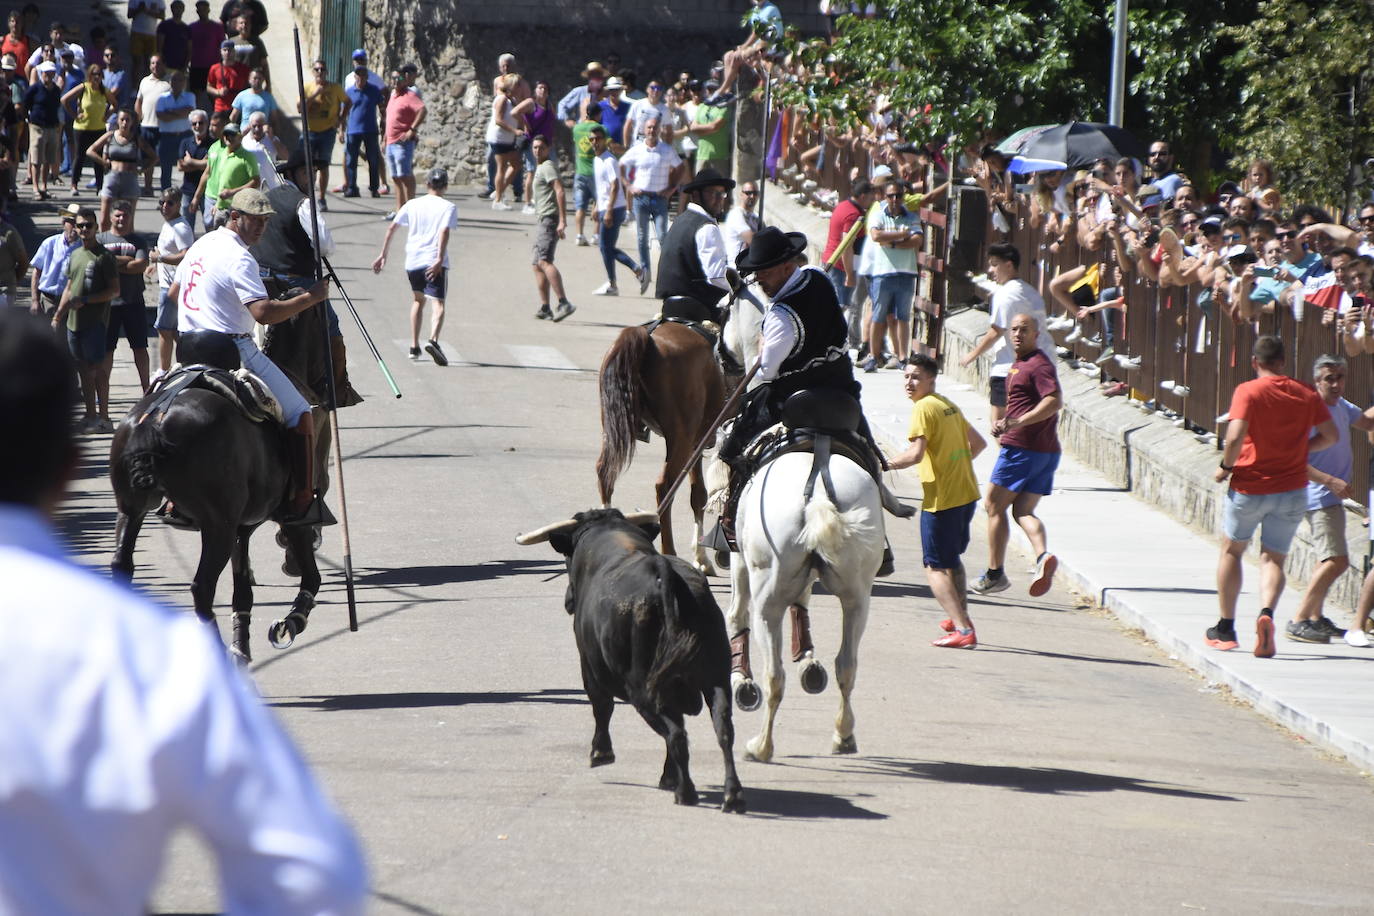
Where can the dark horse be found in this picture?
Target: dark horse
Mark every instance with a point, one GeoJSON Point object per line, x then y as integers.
{"type": "Point", "coordinates": [670, 381]}
{"type": "Point", "coordinates": [226, 473]}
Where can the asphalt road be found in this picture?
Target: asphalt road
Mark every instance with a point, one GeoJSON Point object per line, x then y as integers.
{"type": "Point", "coordinates": [1063, 766]}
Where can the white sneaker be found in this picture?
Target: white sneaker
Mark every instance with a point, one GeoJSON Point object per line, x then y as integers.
{"type": "Point", "coordinates": [1062, 323]}
{"type": "Point", "coordinates": [529, 208]}
{"type": "Point", "coordinates": [605, 289]}
{"type": "Point", "coordinates": [582, 241]}
{"type": "Point", "coordinates": [500, 205]}
{"type": "Point", "coordinates": [1357, 638]}
{"type": "Point", "coordinates": [1167, 384]}
{"type": "Point", "coordinates": [1127, 362]}
{"type": "Point", "coordinates": [1075, 334]}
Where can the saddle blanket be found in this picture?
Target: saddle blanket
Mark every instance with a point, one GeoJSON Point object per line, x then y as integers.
{"type": "Point", "coordinates": [241, 388]}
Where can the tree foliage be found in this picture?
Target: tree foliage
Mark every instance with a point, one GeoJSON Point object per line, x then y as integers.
{"type": "Point", "coordinates": [1307, 95]}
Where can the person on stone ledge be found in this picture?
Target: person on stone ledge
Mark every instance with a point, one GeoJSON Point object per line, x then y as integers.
{"type": "Point", "coordinates": [804, 347]}
{"type": "Point", "coordinates": [692, 262]}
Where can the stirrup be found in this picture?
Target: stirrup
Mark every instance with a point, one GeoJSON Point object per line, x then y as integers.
{"type": "Point", "coordinates": [888, 565]}
{"type": "Point", "coordinates": [169, 515]}
{"type": "Point", "coordinates": [719, 539]}
{"type": "Point", "coordinates": [317, 513]}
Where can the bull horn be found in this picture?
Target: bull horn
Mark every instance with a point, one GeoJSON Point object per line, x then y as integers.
{"type": "Point", "coordinates": [641, 517]}
{"type": "Point", "coordinates": [539, 535]}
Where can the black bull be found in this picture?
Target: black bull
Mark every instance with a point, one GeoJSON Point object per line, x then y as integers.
{"type": "Point", "coordinates": [649, 632]}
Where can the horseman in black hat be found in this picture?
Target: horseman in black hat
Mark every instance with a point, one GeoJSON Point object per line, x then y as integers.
{"type": "Point", "coordinates": [287, 257]}
{"type": "Point", "coordinates": [804, 347]}
{"type": "Point", "coordinates": [693, 264]}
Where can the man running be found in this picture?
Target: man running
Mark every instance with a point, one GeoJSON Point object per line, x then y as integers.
{"type": "Point", "coordinates": [430, 220]}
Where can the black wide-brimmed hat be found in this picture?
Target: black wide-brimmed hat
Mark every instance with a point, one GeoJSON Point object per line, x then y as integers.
{"type": "Point", "coordinates": [769, 248]}
{"type": "Point", "coordinates": [708, 178]}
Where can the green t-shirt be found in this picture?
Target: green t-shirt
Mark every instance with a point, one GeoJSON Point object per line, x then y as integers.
{"type": "Point", "coordinates": [716, 144]}
{"type": "Point", "coordinates": [90, 272]}
{"type": "Point", "coordinates": [235, 170]}
{"type": "Point", "coordinates": [583, 153]}
{"type": "Point", "coordinates": [545, 202]}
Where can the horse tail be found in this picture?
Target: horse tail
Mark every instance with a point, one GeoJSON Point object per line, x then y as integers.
{"type": "Point", "coordinates": [622, 405]}
{"type": "Point", "coordinates": [670, 683]}
{"type": "Point", "coordinates": [146, 445]}
{"type": "Point", "coordinates": [825, 528]}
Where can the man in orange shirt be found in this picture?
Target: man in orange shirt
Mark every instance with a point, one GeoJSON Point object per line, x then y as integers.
{"type": "Point", "coordinates": [1267, 442]}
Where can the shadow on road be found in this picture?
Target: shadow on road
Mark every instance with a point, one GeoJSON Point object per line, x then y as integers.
{"type": "Point", "coordinates": [451, 575]}
{"type": "Point", "coordinates": [422, 699]}
{"type": "Point", "coordinates": [780, 803]}
{"type": "Point", "coordinates": [1099, 659]}
{"type": "Point", "coordinates": [1039, 780]}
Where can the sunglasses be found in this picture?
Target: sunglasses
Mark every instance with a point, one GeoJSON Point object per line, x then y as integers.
{"type": "Point", "coordinates": [898, 194]}
{"type": "Point", "coordinates": [1232, 237]}
{"type": "Point", "coordinates": [1286, 235]}
{"type": "Point", "coordinates": [750, 193]}
{"type": "Point", "coordinates": [655, 86]}
{"type": "Point", "coordinates": [84, 225]}
{"type": "Point", "coordinates": [1368, 218]}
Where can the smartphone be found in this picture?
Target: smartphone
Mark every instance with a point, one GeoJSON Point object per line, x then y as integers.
{"type": "Point", "coordinates": [1266, 271]}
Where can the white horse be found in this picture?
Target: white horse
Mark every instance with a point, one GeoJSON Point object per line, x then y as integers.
{"type": "Point", "coordinates": [787, 542]}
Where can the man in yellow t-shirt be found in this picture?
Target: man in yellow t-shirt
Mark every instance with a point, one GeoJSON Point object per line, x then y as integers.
{"type": "Point", "coordinates": [943, 446]}
{"type": "Point", "coordinates": [326, 113]}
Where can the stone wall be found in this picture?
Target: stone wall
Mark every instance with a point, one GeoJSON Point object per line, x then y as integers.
{"type": "Point", "coordinates": [456, 43]}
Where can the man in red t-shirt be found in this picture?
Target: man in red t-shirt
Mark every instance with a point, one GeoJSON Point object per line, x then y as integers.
{"type": "Point", "coordinates": [1029, 436]}
{"type": "Point", "coordinates": [1267, 441]}
{"type": "Point", "coordinates": [227, 78]}
{"type": "Point", "coordinates": [842, 274]}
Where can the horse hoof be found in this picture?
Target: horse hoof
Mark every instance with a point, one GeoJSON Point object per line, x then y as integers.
{"type": "Point", "coordinates": [734, 804]}
{"type": "Point", "coordinates": [813, 677]}
{"type": "Point", "coordinates": [289, 567]}
{"type": "Point", "coordinates": [747, 696]}
{"type": "Point", "coordinates": [687, 797]}
{"type": "Point", "coordinates": [668, 784]}
{"type": "Point", "coordinates": [602, 758]}
{"type": "Point", "coordinates": [845, 746]}
{"type": "Point", "coordinates": [756, 753]}
{"type": "Point", "coordinates": [243, 658]}
{"type": "Point", "coordinates": [282, 634]}
{"type": "Point", "coordinates": [705, 568]}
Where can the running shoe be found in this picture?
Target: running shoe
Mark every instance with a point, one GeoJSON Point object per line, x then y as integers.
{"type": "Point", "coordinates": [606, 289]}
{"type": "Point", "coordinates": [486, 195]}
{"type": "Point", "coordinates": [527, 209]}
{"type": "Point", "coordinates": [644, 279]}
{"type": "Point", "coordinates": [871, 365]}
{"type": "Point", "coordinates": [544, 312]}
{"type": "Point", "coordinates": [1356, 638]}
{"type": "Point", "coordinates": [582, 241]}
{"type": "Point", "coordinates": [947, 625]}
{"type": "Point", "coordinates": [500, 205]}
{"type": "Point", "coordinates": [957, 640]}
{"type": "Point", "coordinates": [1328, 626]}
{"type": "Point", "coordinates": [987, 585]}
{"type": "Point", "coordinates": [1045, 566]}
{"type": "Point", "coordinates": [563, 311]}
{"type": "Point", "coordinates": [436, 354]}
{"type": "Point", "coordinates": [414, 352]}
{"type": "Point", "coordinates": [1225, 640]}
{"type": "Point", "coordinates": [1305, 631]}
{"type": "Point", "coordinates": [1264, 637]}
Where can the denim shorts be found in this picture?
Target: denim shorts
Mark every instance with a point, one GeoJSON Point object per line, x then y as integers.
{"type": "Point", "coordinates": [945, 534]}
{"type": "Point", "coordinates": [837, 278]}
{"type": "Point", "coordinates": [892, 295]}
{"type": "Point", "coordinates": [1021, 470]}
{"type": "Point", "coordinates": [1276, 515]}
{"type": "Point", "coordinates": [166, 313]}
{"type": "Point", "coordinates": [400, 158]}
{"type": "Point", "coordinates": [584, 192]}
{"type": "Point", "coordinates": [88, 344]}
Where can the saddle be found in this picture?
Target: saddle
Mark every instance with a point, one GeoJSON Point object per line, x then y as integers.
{"type": "Point", "coordinates": [240, 387]}
{"type": "Point", "coordinates": [824, 422]}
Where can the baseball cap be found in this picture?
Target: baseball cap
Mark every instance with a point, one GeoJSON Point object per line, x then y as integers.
{"type": "Point", "coordinates": [47, 67]}
{"type": "Point", "coordinates": [227, 43]}
{"type": "Point", "coordinates": [359, 53]}
{"type": "Point", "coordinates": [67, 52]}
{"type": "Point", "coordinates": [882, 171]}
{"type": "Point", "coordinates": [1244, 252]}
{"type": "Point", "coordinates": [614, 83]}
{"type": "Point", "coordinates": [8, 62]}
{"type": "Point", "coordinates": [252, 202]}
{"type": "Point", "coordinates": [231, 128]}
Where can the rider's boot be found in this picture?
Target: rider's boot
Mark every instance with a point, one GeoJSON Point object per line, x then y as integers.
{"type": "Point", "coordinates": [889, 564]}
{"type": "Point", "coordinates": [344, 393]}
{"type": "Point", "coordinates": [305, 507]}
{"type": "Point", "coordinates": [721, 538]}
{"type": "Point", "coordinates": [876, 465]}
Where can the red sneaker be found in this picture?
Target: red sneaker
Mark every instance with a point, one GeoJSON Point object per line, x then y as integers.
{"type": "Point", "coordinates": [957, 640]}
{"type": "Point", "coordinates": [947, 625]}
{"type": "Point", "coordinates": [1264, 637]}
{"type": "Point", "coordinates": [1044, 574]}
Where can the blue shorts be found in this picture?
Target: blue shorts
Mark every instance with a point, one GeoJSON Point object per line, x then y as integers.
{"type": "Point", "coordinates": [88, 344]}
{"type": "Point", "coordinates": [435, 289]}
{"type": "Point", "coordinates": [322, 144]}
{"type": "Point", "coordinates": [1279, 513]}
{"type": "Point", "coordinates": [1021, 470]}
{"type": "Point", "coordinates": [130, 319]}
{"type": "Point", "coordinates": [892, 294]}
{"type": "Point", "coordinates": [584, 192]}
{"type": "Point", "coordinates": [400, 158]}
{"type": "Point", "coordinates": [166, 314]}
{"type": "Point", "coordinates": [944, 536]}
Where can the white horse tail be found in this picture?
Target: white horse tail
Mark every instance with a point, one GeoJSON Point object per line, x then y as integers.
{"type": "Point", "coordinates": [826, 528]}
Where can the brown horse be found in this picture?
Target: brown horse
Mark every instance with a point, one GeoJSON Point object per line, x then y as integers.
{"type": "Point", "coordinates": [670, 381]}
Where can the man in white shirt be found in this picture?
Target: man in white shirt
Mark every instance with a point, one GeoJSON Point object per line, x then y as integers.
{"type": "Point", "coordinates": [430, 220]}
{"type": "Point", "coordinates": [173, 240]}
{"type": "Point", "coordinates": [651, 106]}
{"type": "Point", "coordinates": [1013, 296]}
{"type": "Point", "coordinates": [151, 88]}
{"type": "Point", "coordinates": [218, 287]}
{"type": "Point", "coordinates": [741, 222]}
{"type": "Point", "coordinates": [128, 720]}
{"type": "Point", "coordinates": [173, 110]}
{"type": "Point", "coordinates": [266, 148]}
{"type": "Point", "coordinates": [652, 169]}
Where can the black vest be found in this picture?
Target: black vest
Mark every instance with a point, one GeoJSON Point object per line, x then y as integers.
{"type": "Point", "coordinates": [679, 268]}
{"type": "Point", "coordinates": [820, 358]}
{"type": "Point", "coordinates": [285, 245]}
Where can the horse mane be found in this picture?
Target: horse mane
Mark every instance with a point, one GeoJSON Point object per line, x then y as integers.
{"type": "Point", "coordinates": [622, 405]}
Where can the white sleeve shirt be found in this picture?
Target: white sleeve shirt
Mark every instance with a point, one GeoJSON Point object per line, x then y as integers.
{"type": "Point", "coordinates": [711, 252]}
{"type": "Point", "coordinates": [325, 243]}
{"type": "Point", "coordinates": [126, 722]}
{"type": "Point", "coordinates": [781, 331]}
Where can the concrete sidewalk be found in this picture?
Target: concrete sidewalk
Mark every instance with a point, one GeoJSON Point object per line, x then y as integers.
{"type": "Point", "coordinates": [1157, 575]}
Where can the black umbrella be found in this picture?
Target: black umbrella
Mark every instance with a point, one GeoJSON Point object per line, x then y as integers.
{"type": "Point", "coordinates": [1080, 143]}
